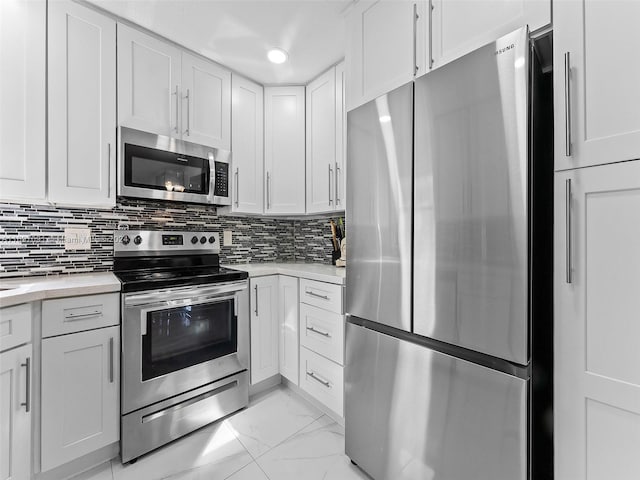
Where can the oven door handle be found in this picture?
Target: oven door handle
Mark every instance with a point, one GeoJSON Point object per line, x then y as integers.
{"type": "Point", "coordinates": [188, 293]}
{"type": "Point", "coordinates": [181, 303]}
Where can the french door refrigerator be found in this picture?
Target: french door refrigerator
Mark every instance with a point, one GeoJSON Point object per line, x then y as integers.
{"type": "Point", "coordinates": [448, 287]}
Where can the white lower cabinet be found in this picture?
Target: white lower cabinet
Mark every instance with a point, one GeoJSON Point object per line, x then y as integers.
{"type": "Point", "coordinates": [596, 354]}
{"type": "Point", "coordinates": [15, 413]}
{"type": "Point", "coordinates": [264, 327]}
{"type": "Point", "coordinates": [80, 394]}
{"type": "Point", "coordinates": [288, 315]}
{"type": "Point", "coordinates": [322, 379]}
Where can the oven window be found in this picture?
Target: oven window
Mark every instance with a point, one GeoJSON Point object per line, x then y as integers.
{"type": "Point", "coordinates": [160, 170]}
{"type": "Point", "coordinates": [184, 336]}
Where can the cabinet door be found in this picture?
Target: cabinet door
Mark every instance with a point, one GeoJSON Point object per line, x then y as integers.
{"type": "Point", "coordinates": [596, 354]}
{"type": "Point", "coordinates": [461, 26]}
{"type": "Point", "coordinates": [15, 416]}
{"type": "Point", "coordinates": [80, 394]}
{"type": "Point", "coordinates": [596, 100]}
{"type": "Point", "coordinates": [247, 147]}
{"type": "Point", "coordinates": [82, 105]}
{"type": "Point", "coordinates": [149, 76]}
{"type": "Point", "coordinates": [341, 140]}
{"type": "Point", "coordinates": [264, 327]}
{"type": "Point", "coordinates": [380, 53]}
{"type": "Point", "coordinates": [206, 109]}
{"type": "Point", "coordinates": [284, 154]}
{"type": "Point", "coordinates": [288, 315]}
{"type": "Point", "coordinates": [22, 99]}
{"type": "Point", "coordinates": [321, 143]}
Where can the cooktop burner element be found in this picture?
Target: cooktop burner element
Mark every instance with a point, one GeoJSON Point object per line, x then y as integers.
{"type": "Point", "coordinates": [149, 260]}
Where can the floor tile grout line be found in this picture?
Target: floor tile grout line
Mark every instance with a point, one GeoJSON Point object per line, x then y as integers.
{"type": "Point", "coordinates": [262, 469]}
{"type": "Point", "coordinates": [288, 438]}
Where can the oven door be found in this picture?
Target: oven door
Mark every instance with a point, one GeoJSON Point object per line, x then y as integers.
{"type": "Point", "coordinates": [176, 340]}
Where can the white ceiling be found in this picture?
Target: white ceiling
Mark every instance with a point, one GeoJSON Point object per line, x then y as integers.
{"type": "Point", "coordinates": [239, 33]}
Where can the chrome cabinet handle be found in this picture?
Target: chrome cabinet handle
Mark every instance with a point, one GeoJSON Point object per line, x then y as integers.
{"type": "Point", "coordinates": [415, 39]}
{"type": "Point", "coordinates": [319, 332]}
{"type": "Point", "coordinates": [256, 289]}
{"type": "Point", "coordinates": [187, 131]}
{"type": "Point", "coordinates": [83, 316]}
{"type": "Point", "coordinates": [177, 108]}
{"type": "Point", "coordinates": [111, 360]}
{"type": "Point", "coordinates": [330, 175]}
{"type": "Point", "coordinates": [27, 402]}
{"type": "Point", "coordinates": [338, 169]}
{"type": "Point", "coordinates": [268, 191]}
{"type": "Point", "coordinates": [569, 272]}
{"type": "Point", "coordinates": [313, 375]}
{"type": "Point", "coordinates": [567, 103]}
{"type": "Point", "coordinates": [108, 169]}
{"type": "Point", "coordinates": [430, 7]}
{"type": "Point", "coordinates": [317, 295]}
{"type": "Point", "coordinates": [237, 186]}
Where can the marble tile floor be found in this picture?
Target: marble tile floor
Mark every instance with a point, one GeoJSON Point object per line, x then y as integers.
{"type": "Point", "coordinates": [278, 437]}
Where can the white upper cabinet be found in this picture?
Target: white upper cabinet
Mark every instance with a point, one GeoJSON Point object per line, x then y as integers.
{"type": "Point", "coordinates": [284, 154]}
{"type": "Point", "coordinates": [341, 139]}
{"type": "Point", "coordinates": [596, 354]}
{"type": "Point", "coordinates": [247, 136]}
{"type": "Point", "coordinates": [380, 53]}
{"type": "Point", "coordinates": [149, 78]}
{"type": "Point", "coordinates": [206, 94]}
{"type": "Point", "coordinates": [461, 26]}
{"type": "Point", "coordinates": [22, 100]}
{"type": "Point", "coordinates": [82, 105]}
{"type": "Point", "coordinates": [325, 142]}
{"type": "Point", "coordinates": [163, 90]}
{"type": "Point", "coordinates": [321, 143]}
{"type": "Point", "coordinates": [596, 82]}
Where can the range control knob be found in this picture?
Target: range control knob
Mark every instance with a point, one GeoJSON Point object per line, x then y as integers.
{"type": "Point", "coordinates": [194, 239]}
{"type": "Point", "coordinates": [203, 239]}
{"type": "Point", "coordinates": [125, 240]}
{"type": "Point", "coordinates": [137, 240]}
{"type": "Point", "coordinates": [212, 239]}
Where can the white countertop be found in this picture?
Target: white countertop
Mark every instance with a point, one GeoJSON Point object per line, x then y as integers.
{"type": "Point", "coordinates": [312, 271]}
{"type": "Point", "coordinates": [30, 289]}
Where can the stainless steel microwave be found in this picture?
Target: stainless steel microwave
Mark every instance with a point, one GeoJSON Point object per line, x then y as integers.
{"type": "Point", "coordinates": [164, 168]}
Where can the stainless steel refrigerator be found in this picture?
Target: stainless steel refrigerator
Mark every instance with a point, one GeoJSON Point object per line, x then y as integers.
{"type": "Point", "coordinates": [448, 288]}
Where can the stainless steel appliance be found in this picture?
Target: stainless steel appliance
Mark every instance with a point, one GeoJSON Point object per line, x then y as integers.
{"type": "Point", "coordinates": [184, 352]}
{"type": "Point", "coordinates": [448, 371]}
{"type": "Point", "coordinates": [164, 168]}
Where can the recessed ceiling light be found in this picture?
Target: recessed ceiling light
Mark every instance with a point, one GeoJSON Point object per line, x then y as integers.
{"type": "Point", "coordinates": [277, 55]}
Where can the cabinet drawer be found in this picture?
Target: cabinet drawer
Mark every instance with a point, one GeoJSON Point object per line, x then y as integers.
{"type": "Point", "coordinates": [322, 379]}
{"type": "Point", "coordinates": [15, 326]}
{"type": "Point", "coordinates": [76, 314]}
{"type": "Point", "coordinates": [321, 294]}
{"type": "Point", "coordinates": [322, 332]}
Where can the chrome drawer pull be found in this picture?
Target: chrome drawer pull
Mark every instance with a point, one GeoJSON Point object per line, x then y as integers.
{"type": "Point", "coordinates": [318, 379]}
{"type": "Point", "coordinates": [317, 295]}
{"type": "Point", "coordinates": [82, 316]}
{"type": "Point", "coordinates": [319, 332]}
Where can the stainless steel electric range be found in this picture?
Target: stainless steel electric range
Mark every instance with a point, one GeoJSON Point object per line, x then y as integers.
{"type": "Point", "coordinates": [184, 353]}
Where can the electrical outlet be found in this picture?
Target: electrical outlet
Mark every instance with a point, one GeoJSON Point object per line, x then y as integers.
{"type": "Point", "coordinates": [77, 239]}
{"type": "Point", "coordinates": [227, 238]}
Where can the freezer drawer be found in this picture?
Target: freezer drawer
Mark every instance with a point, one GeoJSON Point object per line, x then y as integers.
{"type": "Point", "coordinates": [412, 413]}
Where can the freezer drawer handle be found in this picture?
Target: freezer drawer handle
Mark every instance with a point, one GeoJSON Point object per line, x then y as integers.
{"type": "Point", "coordinates": [568, 231]}
{"type": "Point", "coordinates": [319, 380]}
{"type": "Point", "coordinates": [187, 403]}
{"type": "Point", "coordinates": [319, 332]}
{"type": "Point", "coordinates": [317, 295]}
{"type": "Point", "coordinates": [27, 401]}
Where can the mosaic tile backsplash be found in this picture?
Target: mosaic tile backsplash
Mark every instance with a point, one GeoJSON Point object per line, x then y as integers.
{"type": "Point", "coordinates": [32, 236]}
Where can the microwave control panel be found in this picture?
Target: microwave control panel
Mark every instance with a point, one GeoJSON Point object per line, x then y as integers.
{"type": "Point", "coordinates": [221, 186]}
